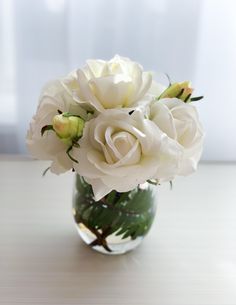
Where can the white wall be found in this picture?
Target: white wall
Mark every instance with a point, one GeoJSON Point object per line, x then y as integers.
{"type": "Point", "coordinates": [189, 39]}
{"type": "Point", "coordinates": [215, 74]}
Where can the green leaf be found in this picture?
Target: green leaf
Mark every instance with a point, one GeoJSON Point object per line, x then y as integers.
{"type": "Point", "coordinates": [169, 80]}
{"type": "Point", "coordinates": [180, 93]}
{"type": "Point", "coordinates": [111, 197]}
{"type": "Point", "coordinates": [45, 171]}
{"type": "Point", "coordinates": [68, 114]}
{"type": "Point", "coordinates": [196, 98]}
{"type": "Point", "coordinates": [46, 128]}
{"type": "Point", "coordinates": [128, 214]}
{"type": "Point", "coordinates": [187, 97]}
{"type": "Point", "coordinates": [69, 155]}
{"type": "Point", "coordinates": [153, 182]}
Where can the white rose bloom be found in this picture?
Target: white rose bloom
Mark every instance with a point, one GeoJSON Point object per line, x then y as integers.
{"type": "Point", "coordinates": [180, 122]}
{"type": "Point", "coordinates": [118, 151]}
{"type": "Point", "coordinates": [118, 83]}
{"type": "Point", "coordinates": [156, 89]}
{"type": "Point", "coordinates": [50, 146]}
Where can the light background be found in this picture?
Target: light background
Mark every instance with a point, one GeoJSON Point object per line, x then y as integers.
{"type": "Point", "coordinates": [189, 39]}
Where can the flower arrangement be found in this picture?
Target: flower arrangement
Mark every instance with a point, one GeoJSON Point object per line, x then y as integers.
{"type": "Point", "coordinates": [113, 125]}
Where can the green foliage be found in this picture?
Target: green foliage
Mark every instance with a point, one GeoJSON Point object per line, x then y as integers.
{"type": "Point", "coordinates": [196, 98]}
{"type": "Point", "coordinates": [46, 128]}
{"type": "Point", "coordinates": [69, 154]}
{"type": "Point", "coordinates": [128, 214]}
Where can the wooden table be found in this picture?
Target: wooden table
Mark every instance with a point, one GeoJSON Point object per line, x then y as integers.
{"type": "Point", "coordinates": [189, 257]}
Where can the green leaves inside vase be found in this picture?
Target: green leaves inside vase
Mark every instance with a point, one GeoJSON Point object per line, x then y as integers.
{"type": "Point", "coordinates": [118, 222]}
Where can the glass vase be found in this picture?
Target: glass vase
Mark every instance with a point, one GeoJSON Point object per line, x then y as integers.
{"type": "Point", "coordinates": [118, 222]}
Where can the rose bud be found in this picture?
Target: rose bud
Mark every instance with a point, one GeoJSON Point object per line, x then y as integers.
{"type": "Point", "coordinates": [181, 91]}
{"type": "Point", "coordinates": [68, 127]}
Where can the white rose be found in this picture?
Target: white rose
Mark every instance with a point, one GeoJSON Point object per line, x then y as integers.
{"type": "Point", "coordinates": [118, 83]}
{"type": "Point", "coordinates": [118, 151]}
{"type": "Point", "coordinates": [156, 89]}
{"type": "Point", "coordinates": [49, 146]}
{"type": "Point", "coordinates": [180, 122]}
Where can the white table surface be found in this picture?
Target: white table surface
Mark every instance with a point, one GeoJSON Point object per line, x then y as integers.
{"type": "Point", "coordinates": [189, 257]}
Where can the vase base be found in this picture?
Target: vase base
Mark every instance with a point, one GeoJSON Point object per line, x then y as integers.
{"type": "Point", "coordinates": [115, 245]}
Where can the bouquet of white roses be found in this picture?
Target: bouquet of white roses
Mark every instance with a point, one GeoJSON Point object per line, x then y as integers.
{"type": "Point", "coordinates": [111, 123]}
{"type": "Point", "coordinates": [118, 129]}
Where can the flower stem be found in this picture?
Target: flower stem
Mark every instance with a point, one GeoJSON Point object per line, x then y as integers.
{"type": "Point", "coordinates": [100, 238]}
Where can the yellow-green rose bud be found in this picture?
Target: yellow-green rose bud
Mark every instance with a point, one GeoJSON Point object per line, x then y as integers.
{"type": "Point", "coordinates": [182, 91]}
{"type": "Point", "coordinates": [68, 127]}
{"type": "Point", "coordinates": [61, 125]}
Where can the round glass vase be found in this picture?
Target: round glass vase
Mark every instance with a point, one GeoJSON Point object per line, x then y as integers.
{"type": "Point", "coordinates": [118, 222]}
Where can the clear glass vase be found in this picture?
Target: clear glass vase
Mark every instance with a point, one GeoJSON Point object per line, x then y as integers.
{"type": "Point", "coordinates": [118, 222]}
